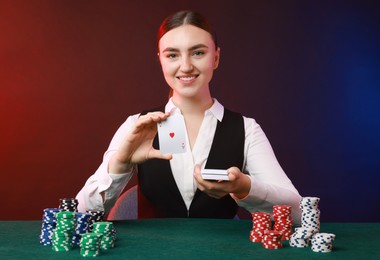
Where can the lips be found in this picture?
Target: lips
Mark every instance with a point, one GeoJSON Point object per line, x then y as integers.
{"type": "Point", "coordinates": [187, 79]}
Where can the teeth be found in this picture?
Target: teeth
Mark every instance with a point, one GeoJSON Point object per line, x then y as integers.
{"type": "Point", "coordinates": [187, 78]}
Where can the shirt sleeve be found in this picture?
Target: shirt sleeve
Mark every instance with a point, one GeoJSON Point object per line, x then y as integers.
{"type": "Point", "coordinates": [269, 183]}
{"type": "Point", "coordinates": [111, 185]}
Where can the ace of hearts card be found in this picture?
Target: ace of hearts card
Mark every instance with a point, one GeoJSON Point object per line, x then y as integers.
{"type": "Point", "coordinates": [172, 135]}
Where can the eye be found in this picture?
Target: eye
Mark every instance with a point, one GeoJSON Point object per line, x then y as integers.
{"type": "Point", "coordinates": [171, 55]}
{"type": "Point", "coordinates": [198, 53]}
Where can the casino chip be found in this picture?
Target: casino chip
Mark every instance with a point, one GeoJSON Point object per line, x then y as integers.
{"type": "Point", "coordinates": [82, 226]}
{"type": "Point", "coordinates": [261, 222]}
{"type": "Point", "coordinates": [49, 222]}
{"type": "Point", "coordinates": [309, 232]}
{"type": "Point", "coordinates": [301, 237]}
{"type": "Point", "coordinates": [310, 214]}
{"type": "Point", "coordinates": [272, 239]}
{"type": "Point", "coordinates": [90, 244]}
{"type": "Point", "coordinates": [63, 233]}
{"type": "Point", "coordinates": [68, 204]}
{"type": "Point", "coordinates": [283, 220]}
{"type": "Point", "coordinates": [304, 236]}
{"type": "Point", "coordinates": [96, 216]}
{"type": "Point", "coordinates": [322, 242]}
{"type": "Point", "coordinates": [108, 233]}
{"type": "Point", "coordinates": [64, 228]}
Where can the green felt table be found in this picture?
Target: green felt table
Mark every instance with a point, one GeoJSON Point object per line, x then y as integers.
{"type": "Point", "coordinates": [192, 239]}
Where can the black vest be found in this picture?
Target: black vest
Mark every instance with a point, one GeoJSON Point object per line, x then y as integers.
{"type": "Point", "coordinates": [158, 192]}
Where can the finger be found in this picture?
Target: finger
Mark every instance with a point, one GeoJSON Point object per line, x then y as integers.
{"type": "Point", "coordinates": [156, 113]}
{"type": "Point", "coordinates": [149, 122]}
{"type": "Point", "coordinates": [153, 117]}
{"type": "Point", "coordinates": [143, 122]}
{"type": "Point", "coordinates": [158, 116]}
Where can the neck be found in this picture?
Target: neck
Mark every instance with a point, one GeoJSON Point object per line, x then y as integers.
{"type": "Point", "coordinates": [193, 105]}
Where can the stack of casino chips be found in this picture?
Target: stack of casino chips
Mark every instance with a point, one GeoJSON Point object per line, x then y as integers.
{"type": "Point", "coordinates": [68, 204]}
{"type": "Point", "coordinates": [310, 222]}
{"type": "Point", "coordinates": [49, 223]}
{"type": "Point", "coordinates": [261, 222]}
{"type": "Point", "coordinates": [96, 216]}
{"type": "Point", "coordinates": [90, 244]}
{"type": "Point", "coordinates": [63, 233]}
{"type": "Point", "coordinates": [309, 231]}
{"type": "Point", "coordinates": [107, 231]}
{"type": "Point", "coordinates": [310, 214]}
{"type": "Point", "coordinates": [301, 237]}
{"type": "Point", "coordinates": [82, 226]}
{"type": "Point", "coordinates": [272, 239]}
{"type": "Point", "coordinates": [322, 242]}
{"type": "Point", "coordinates": [283, 220]}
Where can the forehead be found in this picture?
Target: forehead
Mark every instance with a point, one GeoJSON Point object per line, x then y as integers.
{"type": "Point", "coordinates": [184, 37]}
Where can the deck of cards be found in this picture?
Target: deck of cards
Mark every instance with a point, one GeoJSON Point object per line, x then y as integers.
{"type": "Point", "coordinates": [172, 135]}
{"type": "Point", "coordinates": [214, 174]}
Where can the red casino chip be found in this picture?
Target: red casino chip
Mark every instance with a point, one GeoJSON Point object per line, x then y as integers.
{"type": "Point", "coordinates": [261, 222]}
{"type": "Point", "coordinates": [283, 220]}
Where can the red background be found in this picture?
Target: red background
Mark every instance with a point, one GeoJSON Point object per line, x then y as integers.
{"type": "Point", "coordinates": [72, 71]}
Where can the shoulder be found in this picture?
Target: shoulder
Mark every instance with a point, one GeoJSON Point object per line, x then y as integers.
{"type": "Point", "coordinates": [253, 131]}
{"type": "Point", "coordinates": [248, 121]}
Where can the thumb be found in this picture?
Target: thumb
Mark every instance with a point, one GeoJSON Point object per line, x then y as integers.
{"type": "Point", "coordinates": [197, 171]}
{"type": "Point", "coordinates": [197, 168]}
{"type": "Point", "coordinates": [233, 173]}
{"type": "Point", "coordinates": [154, 153]}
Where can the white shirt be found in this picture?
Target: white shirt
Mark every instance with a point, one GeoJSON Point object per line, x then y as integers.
{"type": "Point", "coordinates": [269, 183]}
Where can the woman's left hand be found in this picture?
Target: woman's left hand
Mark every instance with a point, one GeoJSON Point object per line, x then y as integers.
{"type": "Point", "coordinates": [239, 184]}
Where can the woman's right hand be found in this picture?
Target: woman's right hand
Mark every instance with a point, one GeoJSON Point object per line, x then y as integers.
{"type": "Point", "coordinates": [137, 146]}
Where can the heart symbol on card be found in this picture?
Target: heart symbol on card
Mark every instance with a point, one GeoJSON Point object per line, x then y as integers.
{"type": "Point", "coordinates": [171, 134]}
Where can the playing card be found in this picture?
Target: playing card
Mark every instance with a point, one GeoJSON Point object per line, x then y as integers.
{"type": "Point", "coordinates": [215, 174]}
{"type": "Point", "coordinates": [172, 135]}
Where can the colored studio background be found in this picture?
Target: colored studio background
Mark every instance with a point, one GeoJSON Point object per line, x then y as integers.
{"type": "Point", "coordinates": [308, 71]}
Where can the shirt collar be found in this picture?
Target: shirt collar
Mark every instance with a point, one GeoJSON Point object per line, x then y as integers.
{"type": "Point", "coordinates": [217, 109]}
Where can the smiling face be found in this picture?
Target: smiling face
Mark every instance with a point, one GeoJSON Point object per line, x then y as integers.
{"type": "Point", "coordinates": [188, 59]}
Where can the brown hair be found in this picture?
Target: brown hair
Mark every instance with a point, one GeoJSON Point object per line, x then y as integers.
{"type": "Point", "coordinates": [185, 17]}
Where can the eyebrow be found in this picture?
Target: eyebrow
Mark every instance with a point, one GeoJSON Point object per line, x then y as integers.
{"type": "Point", "coordinates": [197, 46]}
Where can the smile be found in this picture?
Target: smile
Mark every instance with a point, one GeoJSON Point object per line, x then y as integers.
{"type": "Point", "coordinates": [187, 78]}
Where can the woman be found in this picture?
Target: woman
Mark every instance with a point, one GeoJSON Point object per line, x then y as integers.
{"type": "Point", "coordinates": [172, 184]}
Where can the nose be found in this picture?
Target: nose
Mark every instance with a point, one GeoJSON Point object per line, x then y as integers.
{"type": "Point", "coordinates": [186, 65]}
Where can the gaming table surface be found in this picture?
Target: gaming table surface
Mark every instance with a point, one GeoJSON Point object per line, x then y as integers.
{"type": "Point", "coordinates": [192, 239]}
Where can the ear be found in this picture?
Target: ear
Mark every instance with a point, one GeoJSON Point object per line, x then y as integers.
{"type": "Point", "coordinates": [158, 57]}
{"type": "Point", "coordinates": [217, 58]}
